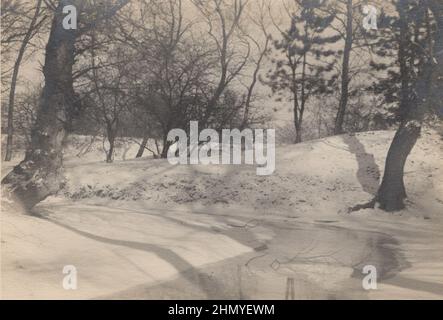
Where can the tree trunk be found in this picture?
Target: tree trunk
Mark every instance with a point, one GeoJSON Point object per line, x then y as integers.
{"type": "Point", "coordinates": [110, 154]}
{"type": "Point", "coordinates": [297, 125]}
{"type": "Point", "coordinates": [297, 116]}
{"type": "Point", "coordinates": [142, 148]}
{"type": "Point", "coordinates": [345, 71]}
{"type": "Point", "coordinates": [40, 173]}
{"type": "Point", "coordinates": [392, 190]}
{"type": "Point", "coordinates": [298, 134]}
{"type": "Point", "coordinates": [166, 145]}
{"type": "Point", "coordinates": [111, 132]}
{"type": "Point", "coordinates": [17, 64]}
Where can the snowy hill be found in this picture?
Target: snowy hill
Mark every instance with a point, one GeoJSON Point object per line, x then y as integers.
{"type": "Point", "coordinates": [146, 229]}
{"type": "Point", "coordinates": [340, 171]}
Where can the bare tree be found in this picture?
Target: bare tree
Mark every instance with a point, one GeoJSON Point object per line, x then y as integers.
{"type": "Point", "coordinates": [299, 71]}
{"type": "Point", "coordinates": [223, 18]}
{"type": "Point", "coordinates": [176, 67]}
{"type": "Point", "coordinates": [260, 18]}
{"type": "Point", "coordinates": [171, 67]}
{"type": "Point", "coordinates": [108, 98]}
{"type": "Point", "coordinates": [40, 173]}
{"type": "Point", "coordinates": [348, 24]}
{"type": "Point", "coordinates": [13, 24]}
{"type": "Point", "coordinates": [30, 32]}
{"type": "Point", "coordinates": [25, 113]}
{"type": "Point", "coordinates": [348, 37]}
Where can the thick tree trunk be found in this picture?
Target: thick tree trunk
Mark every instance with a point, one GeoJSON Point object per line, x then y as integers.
{"type": "Point", "coordinates": [21, 53]}
{"type": "Point", "coordinates": [165, 149]}
{"type": "Point", "coordinates": [110, 154]}
{"type": "Point", "coordinates": [392, 192]}
{"type": "Point", "coordinates": [345, 71]}
{"type": "Point", "coordinates": [298, 134]}
{"type": "Point", "coordinates": [429, 85]}
{"type": "Point", "coordinates": [297, 115]}
{"type": "Point", "coordinates": [164, 153]}
{"type": "Point", "coordinates": [40, 173]}
{"type": "Point", "coordinates": [142, 148]}
{"type": "Point", "coordinates": [297, 124]}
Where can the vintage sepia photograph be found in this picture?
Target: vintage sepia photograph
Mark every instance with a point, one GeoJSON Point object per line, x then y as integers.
{"type": "Point", "coordinates": [229, 150]}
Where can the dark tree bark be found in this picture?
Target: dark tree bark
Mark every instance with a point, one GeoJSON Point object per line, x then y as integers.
{"type": "Point", "coordinates": [303, 97]}
{"type": "Point", "coordinates": [298, 117]}
{"type": "Point", "coordinates": [345, 70]}
{"type": "Point", "coordinates": [111, 139]}
{"type": "Point", "coordinates": [165, 150]}
{"type": "Point", "coordinates": [392, 193]}
{"type": "Point", "coordinates": [298, 133]}
{"type": "Point", "coordinates": [18, 61]}
{"type": "Point", "coordinates": [110, 154]}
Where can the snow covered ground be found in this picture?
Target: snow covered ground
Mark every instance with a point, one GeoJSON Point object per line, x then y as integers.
{"type": "Point", "coordinates": [144, 229]}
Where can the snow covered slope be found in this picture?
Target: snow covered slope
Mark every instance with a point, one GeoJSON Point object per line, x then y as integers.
{"type": "Point", "coordinates": [146, 229]}
{"type": "Point", "coordinates": [324, 176]}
